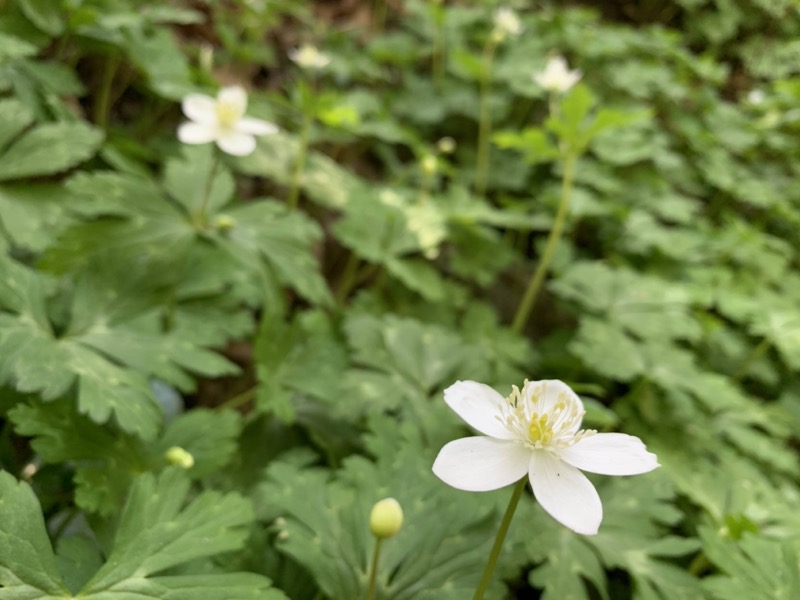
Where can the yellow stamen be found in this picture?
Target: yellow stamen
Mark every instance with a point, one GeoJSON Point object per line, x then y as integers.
{"type": "Point", "coordinates": [227, 114]}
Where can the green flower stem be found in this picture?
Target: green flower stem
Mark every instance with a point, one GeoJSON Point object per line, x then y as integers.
{"type": "Point", "coordinates": [305, 133]}
{"type": "Point", "coordinates": [348, 279]}
{"type": "Point", "coordinates": [499, 538]}
{"type": "Point", "coordinates": [756, 353]}
{"type": "Point", "coordinates": [485, 118]}
{"type": "Point", "coordinates": [200, 217]}
{"type": "Point", "coordinates": [102, 105]}
{"type": "Point", "coordinates": [238, 400]}
{"type": "Point", "coordinates": [529, 299]}
{"type": "Point", "coordinates": [379, 15]}
{"type": "Point", "coordinates": [373, 570]}
{"type": "Point", "coordinates": [437, 58]}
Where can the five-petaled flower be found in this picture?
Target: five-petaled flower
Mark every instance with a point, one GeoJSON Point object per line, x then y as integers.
{"type": "Point", "coordinates": [556, 76]}
{"type": "Point", "coordinates": [536, 432]}
{"type": "Point", "coordinates": [309, 57]}
{"type": "Point", "coordinates": [222, 120]}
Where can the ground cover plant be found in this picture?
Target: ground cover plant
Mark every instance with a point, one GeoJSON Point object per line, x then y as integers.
{"type": "Point", "coordinates": [340, 300]}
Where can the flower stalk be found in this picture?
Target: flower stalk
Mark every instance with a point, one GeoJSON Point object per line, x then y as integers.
{"type": "Point", "coordinates": [486, 578]}
{"type": "Point", "coordinates": [300, 161]}
{"type": "Point", "coordinates": [485, 117]}
{"type": "Point", "coordinates": [535, 284]}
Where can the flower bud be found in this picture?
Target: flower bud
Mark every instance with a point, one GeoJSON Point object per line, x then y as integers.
{"type": "Point", "coordinates": [386, 518]}
{"type": "Point", "coordinates": [224, 223]}
{"type": "Point", "coordinates": [429, 164]}
{"type": "Point", "coordinates": [178, 456]}
{"type": "Point", "coordinates": [446, 145]}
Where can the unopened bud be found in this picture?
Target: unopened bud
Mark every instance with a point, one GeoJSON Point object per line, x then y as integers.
{"type": "Point", "coordinates": [446, 145]}
{"type": "Point", "coordinates": [178, 456]}
{"type": "Point", "coordinates": [428, 164]}
{"type": "Point", "coordinates": [386, 518]}
{"type": "Point", "coordinates": [224, 223]}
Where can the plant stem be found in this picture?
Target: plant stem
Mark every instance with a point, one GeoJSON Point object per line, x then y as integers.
{"type": "Point", "coordinates": [373, 570]}
{"type": "Point", "coordinates": [238, 400]}
{"type": "Point", "coordinates": [529, 299]}
{"type": "Point", "coordinates": [485, 118]}
{"type": "Point", "coordinates": [302, 150]}
{"type": "Point", "coordinates": [103, 102]}
{"type": "Point", "coordinates": [348, 278]}
{"type": "Point", "coordinates": [498, 540]}
{"type": "Point", "coordinates": [200, 216]}
{"type": "Point", "coordinates": [437, 66]}
{"type": "Point", "coordinates": [754, 355]}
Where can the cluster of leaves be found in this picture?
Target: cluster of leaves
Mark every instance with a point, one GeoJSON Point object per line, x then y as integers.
{"type": "Point", "coordinates": [155, 296]}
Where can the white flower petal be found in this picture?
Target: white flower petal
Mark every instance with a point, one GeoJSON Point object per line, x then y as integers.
{"type": "Point", "coordinates": [233, 96]}
{"type": "Point", "coordinates": [480, 406]}
{"type": "Point", "coordinates": [480, 464]}
{"type": "Point", "coordinates": [610, 454]}
{"type": "Point", "coordinates": [200, 108]}
{"type": "Point", "coordinates": [565, 493]}
{"type": "Point", "coordinates": [237, 144]}
{"type": "Point", "coordinates": [255, 126]}
{"type": "Point", "coordinates": [196, 133]}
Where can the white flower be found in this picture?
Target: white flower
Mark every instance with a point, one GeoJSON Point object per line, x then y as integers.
{"type": "Point", "coordinates": [222, 120]}
{"type": "Point", "coordinates": [536, 432]}
{"type": "Point", "coordinates": [308, 57]}
{"type": "Point", "coordinates": [506, 22]}
{"type": "Point", "coordinates": [756, 97]}
{"type": "Point", "coordinates": [556, 76]}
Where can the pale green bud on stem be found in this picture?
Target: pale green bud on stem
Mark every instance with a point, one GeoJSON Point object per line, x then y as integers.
{"type": "Point", "coordinates": [178, 456]}
{"type": "Point", "coordinates": [385, 521]}
{"type": "Point", "coordinates": [386, 518]}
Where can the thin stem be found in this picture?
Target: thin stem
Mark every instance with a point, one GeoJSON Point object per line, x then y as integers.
{"type": "Point", "coordinates": [754, 355]}
{"type": "Point", "coordinates": [373, 570]}
{"type": "Point", "coordinates": [348, 278]}
{"type": "Point", "coordinates": [485, 118]}
{"type": "Point", "coordinates": [238, 400]}
{"type": "Point", "coordinates": [103, 102]}
{"type": "Point", "coordinates": [437, 65]}
{"type": "Point", "coordinates": [529, 299]}
{"type": "Point", "coordinates": [200, 217]}
{"type": "Point", "coordinates": [294, 190]}
{"type": "Point", "coordinates": [498, 540]}
{"type": "Point", "coordinates": [379, 16]}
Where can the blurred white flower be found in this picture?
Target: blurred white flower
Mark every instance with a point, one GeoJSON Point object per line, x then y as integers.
{"type": "Point", "coordinates": [506, 22]}
{"type": "Point", "coordinates": [222, 120]}
{"type": "Point", "coordinates": [536, 432]}
{"type": "Point", "coordinates": [556, 76]}
{"type": "Point", "coordinates": [309, 57]}
{"type": "Point", "coordinates": [756, 96]}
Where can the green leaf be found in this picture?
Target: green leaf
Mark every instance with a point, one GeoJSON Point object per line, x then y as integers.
{"type": "Point", "coordinates": [14, 118]}
{"type": "Point", "coordinates": [33, 215]}
{"type": "Point", "coordinates": [209, 436]}
{"type": "Point", "coordinates": [49, 149]}
{"type": "Point", "coordinates": [28, 568]}
{"type": "Point", "coordinates": [105, 460]}
{"type": "Point", "coordinates": [755, 567]}
{"type": "Point", "coordinates": [155, 533]}
{"type": "Point", "coordinates": [284, 240]}
{"type": "Point", "coordinates": [45, 14]}
{"type": "Point", "coordinates": [327, 527]}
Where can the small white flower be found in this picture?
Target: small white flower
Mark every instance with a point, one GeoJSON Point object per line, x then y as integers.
{"type": "Point", "coordinates": [308, 57]}
{"type": "Point", "coordinates": [222, 120]}
{"type": "Point", "coordinates": [756, 97]}
{"type": "Point", "coordinates": [506, 22]}
{"type": "Point", "coordinates": [556, 76]}
{"type": "Point", "coordinates": [536, 432]}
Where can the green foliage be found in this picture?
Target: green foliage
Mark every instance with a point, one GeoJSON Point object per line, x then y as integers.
{"type": "Point", "coordinates": [155, 533]}
{"type": "Point", "coordinates": [156, 294]}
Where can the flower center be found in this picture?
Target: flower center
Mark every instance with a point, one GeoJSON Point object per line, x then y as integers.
{"type": "Point", "coordinates": [227, 114]}
{"type": "Point", "coordinates": [542, 418]}
{"type": "Point", "coordinates": [539, 433]}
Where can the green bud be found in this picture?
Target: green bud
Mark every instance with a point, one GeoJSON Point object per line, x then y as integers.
{"type": "Point", "coordinates": [178, 456]}
{"type": "Point", "coordinates": [386, 518]}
